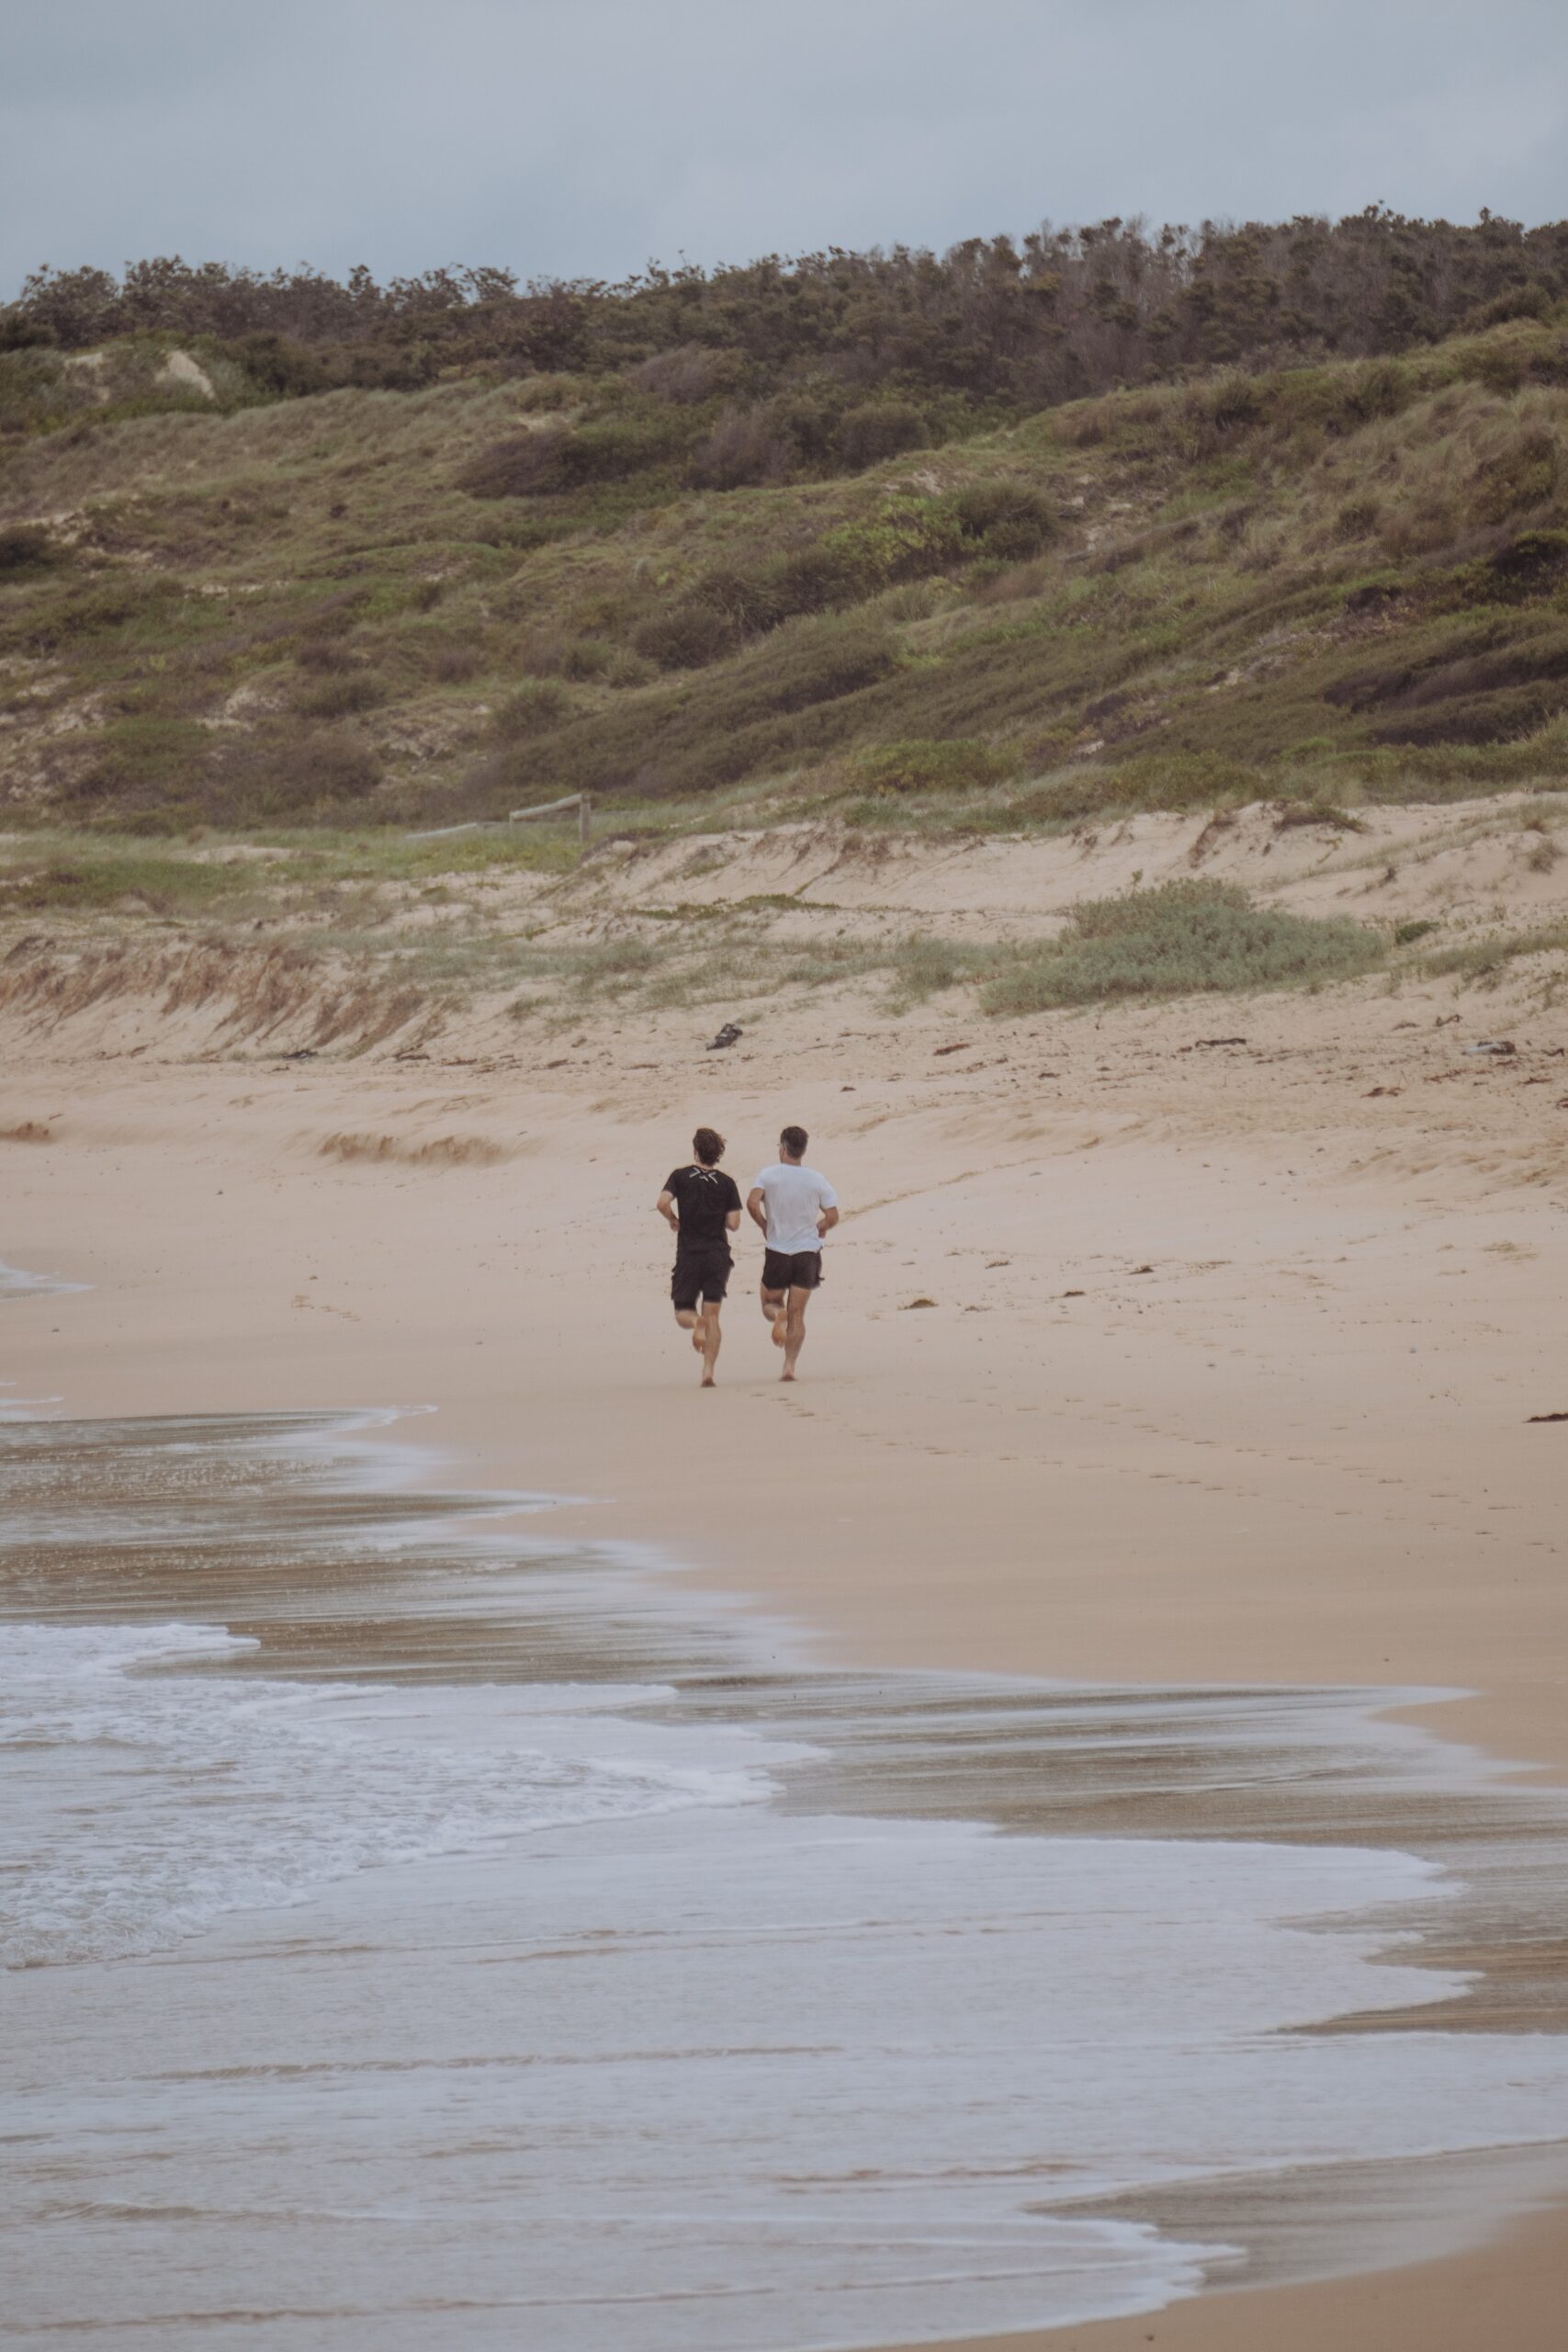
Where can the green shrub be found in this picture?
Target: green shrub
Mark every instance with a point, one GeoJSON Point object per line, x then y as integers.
{"type": "Point", "coordinates": [1379, 387]}
{"type": "Point", "coordinates": [521, 466]}
{"type": "Point", "coordinates": [612, 447]}
{"type": "Point", "coordinates": [1179, 780]}
{"type": "Point", "coordinates": [963, 766]}
{"type": "Point", "coordinates": [690, 374]}
{"type": "Point", "coordinates": [276, 364]}
{"type": "Point", "coordinates": [746, 447]}
{"type": "Point", "coordinates": [340, 697]}
{"type": "Point", "coordinates": [1184, 938]}
{"type": "Point", "coordinates": [19, 332]}
{"type": "Point", "coordinates": [557, 457]}
{"type": "Point", "coordinates": [454, 665]}
{"type": "Point", "coordinates": [1534, 561]}
{"type": "Point", "coordinates": [923, 967]}
{"type": "Point", "coordinates": [531, 708]}
{"type": "Point", "coordinates": [1004, 520]}
{"type": "Point", "coordinates": [1358, 519]}
{"type": "Point", "coordinates": [749, 603]}
{"type": "Point", "coordinates": [585, 657]}
{"type": "Point", "coordinates": [99, 611]}
{"type": "Point", "coordinates": [324, 654]}
{"type": "Point", "coordinates": [815, 578]}
{"type": "Point", "coordinates": [794, 696]}
{"type": "Point", "coordinates": [1522, 476]}
{"type": "Point", "coordinates": [27, 546]}
{"type": "Point", "coordinates": [878, 430]}
{"type": "Point", "coordinates": [816, 662]}
{"type": "Point", "coordinates": [283, 774]}
{"type": "Point", "coordinates": [687, 636]}
{"type": "Point", "coordinates": [145, 754]}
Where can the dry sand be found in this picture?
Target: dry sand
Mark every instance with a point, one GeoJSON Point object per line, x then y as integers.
{"type": "Point", "coordinates": [1229, 1372]}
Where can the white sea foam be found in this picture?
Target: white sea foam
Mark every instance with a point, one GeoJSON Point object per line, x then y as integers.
{"type": "Point", "coordinates": [514, 2014]}
{"type": "Point", "coordinates": [145, 1801]}
{"type": "Point", "coordinates": [19, 1281]}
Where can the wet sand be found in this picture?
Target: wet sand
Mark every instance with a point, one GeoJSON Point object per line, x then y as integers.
{"type": "Point", "coordinates": [1297, 1450]}
{"type": "Point", "coordinates": [1510, 2294]}
{"type": "Point", "coordinates": [345, 1665]}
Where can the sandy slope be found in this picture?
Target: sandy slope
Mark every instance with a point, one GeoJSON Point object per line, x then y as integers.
{"type": "Point", "coordinates": [137, 982]}
{"type": "Point", "coordinates": [1228, 1375]}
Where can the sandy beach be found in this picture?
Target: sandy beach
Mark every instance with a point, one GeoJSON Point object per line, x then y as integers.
{"type": "Point", "coordinates": [1139, 1359]}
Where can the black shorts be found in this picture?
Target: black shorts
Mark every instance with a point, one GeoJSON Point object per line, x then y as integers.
{"type": "Point", "coordinates": [787, 1270]}
{"type": "Point", "coordinates": [700, 1274]}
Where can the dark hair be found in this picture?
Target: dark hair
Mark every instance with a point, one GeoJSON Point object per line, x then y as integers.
{"type": "Point", "coordinates": [795, 1140]}
{"type": "Point", "coordinates": [708, 1145]}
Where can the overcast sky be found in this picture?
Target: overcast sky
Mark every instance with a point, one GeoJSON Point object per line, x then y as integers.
{"type": "Point", "coordinates": [581, 137]}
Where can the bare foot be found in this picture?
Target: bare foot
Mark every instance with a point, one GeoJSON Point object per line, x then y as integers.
{"type": "Point", "coordinates": [706, 1380]}
{"type": "Point", "coordinates": [786, 1375]}
{"type": "Point", "coordinates": [779, 1333]}
{"type": "Point", "coordinates": [697, 1339]}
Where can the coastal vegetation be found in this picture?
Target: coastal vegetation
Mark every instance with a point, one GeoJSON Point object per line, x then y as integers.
{"type": "Point", "coordinates": [295, 577]}
{"type": "Point", "coordinates": [1023, 535]}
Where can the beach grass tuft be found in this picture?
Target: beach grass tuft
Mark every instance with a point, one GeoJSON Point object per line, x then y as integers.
{"type": "Point", "coordinates": [1185, 938]}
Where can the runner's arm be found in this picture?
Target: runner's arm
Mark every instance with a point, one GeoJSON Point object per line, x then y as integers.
{"type": "Point", "coordinates": [755, 1209]}
{"type": "Point", "coordinates": [665, 1204]}
{"type": "Point", "coordinates": [826, 1222]}
{"type": "Point", "coordinates": [733, 1220]}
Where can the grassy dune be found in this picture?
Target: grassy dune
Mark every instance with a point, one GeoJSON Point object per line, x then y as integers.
{"type": "Point", "coordinates": [369, 606]}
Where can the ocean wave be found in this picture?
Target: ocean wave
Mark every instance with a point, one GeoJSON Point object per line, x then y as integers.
{"type": "Point", "coordinates": [195, 1795]}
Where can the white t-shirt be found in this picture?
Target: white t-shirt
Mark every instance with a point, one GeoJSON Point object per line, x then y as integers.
{"type": "Point", "coordinates": [795, 1198]}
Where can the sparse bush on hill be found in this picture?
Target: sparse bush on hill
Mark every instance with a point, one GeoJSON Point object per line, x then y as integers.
{"type": "Point", "coordinates": [690, 374]}
{"type": "Point", "coordinates": [1304, 582]}
{"type": "Point", "coordinates": [281, 366]}
{"type": "Point", "coordinates": [1004, 520]}
{"type": "Point", "coordinates": [685, 637]}
{"type": "Point", "coordinates": [324, 651]}
{"type": "Point", "coordinates": [531, 708]}
{"type": "Point", "coordinates": [342, 697]}
{"type": "Point", "coordinates": [816, 661]}
{"type": "Point", "coordinates": [963, 766]}
{"type": "Point", "coordinates": [878, 430]}
{"type": "Point", "coordinates": [288, 773]}
{"type": "Point", "coordinates": [1055, 316]}
{"type": "Point", "coordinates": [555, 457]}
{"type": "Point", "coordinates": [454, 665]}
{"type": "Point", "coordinates": [585, 657]}
{"type": "Point", "coordinates": [1519, 476]}
{"type": "Point", "coordinates": [27, 546]}
{"type": "Point", "coordinates": [793, 698]}
{"type": "Point", "coordinates": [745, 448]}
{"type": "Point", "coordinates": [1184, 938]}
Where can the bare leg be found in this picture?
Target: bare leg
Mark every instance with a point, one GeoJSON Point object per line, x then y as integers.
{"type": "Point", "coordinates": [776, 1307]}
{"type": "Point", "coordinates": [713, 1340]}
{"type": "Point", "coordinates": [689, 1319]}
{"type": "Point", "coordinates": [794, 1324]}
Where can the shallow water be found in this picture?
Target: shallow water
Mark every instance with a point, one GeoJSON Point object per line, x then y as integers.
{"type": "Point", "coordinates": [429, 1932]}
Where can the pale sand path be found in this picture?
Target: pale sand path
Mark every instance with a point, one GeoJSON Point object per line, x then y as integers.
{"type": "Point", "coordinates": [1295, 1450]}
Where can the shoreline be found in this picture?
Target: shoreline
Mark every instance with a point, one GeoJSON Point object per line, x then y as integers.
{"type": "Point", "coordinates": [1303, 2215]}
{"type": "Point", "coordinates": [1508, 2293]}
{"type": "Point", "coordinates": [1184, 1537]}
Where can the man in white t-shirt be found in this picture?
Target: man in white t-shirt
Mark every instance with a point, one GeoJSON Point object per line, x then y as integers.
{"type": "Point", "coordinates": [796, 1208]}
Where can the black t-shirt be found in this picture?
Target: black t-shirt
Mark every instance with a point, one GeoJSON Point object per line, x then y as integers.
{"type": "Point", "coordinates": [705, 1197]}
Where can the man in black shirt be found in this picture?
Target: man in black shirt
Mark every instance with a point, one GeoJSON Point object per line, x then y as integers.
{"type": "Point", "coordinates": [702, 1207]}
